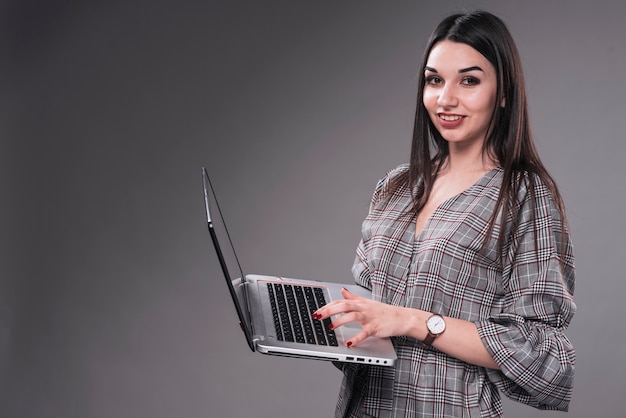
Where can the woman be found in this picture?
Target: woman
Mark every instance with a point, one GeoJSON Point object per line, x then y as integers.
{"type": "Point", "coordinates": [466, 248]}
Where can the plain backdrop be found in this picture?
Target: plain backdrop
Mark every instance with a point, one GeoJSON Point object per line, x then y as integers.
{"type": "Point", "coordinates": [111, 300]}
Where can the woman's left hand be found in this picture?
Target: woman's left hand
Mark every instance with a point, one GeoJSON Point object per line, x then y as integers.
{"type": "Point", "coordinates": [376, 318]}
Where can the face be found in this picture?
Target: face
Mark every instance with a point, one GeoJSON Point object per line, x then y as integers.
{"type": "Point", "coordinates": [460, 93]}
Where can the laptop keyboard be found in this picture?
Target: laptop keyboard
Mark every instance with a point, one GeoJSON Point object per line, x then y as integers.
{"type": "Point", "coordinates": [292, 307]}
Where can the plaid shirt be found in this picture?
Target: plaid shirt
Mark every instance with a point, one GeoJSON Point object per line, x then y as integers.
{"type": "Point", "coordinates": [520, 300]}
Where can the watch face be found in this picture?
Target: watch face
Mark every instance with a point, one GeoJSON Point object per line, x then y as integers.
{"type": "Point", "coordinates": [436, 324]}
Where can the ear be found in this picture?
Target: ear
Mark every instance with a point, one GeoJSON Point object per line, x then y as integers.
{"type": "Point", "coordinates": [503, 102]}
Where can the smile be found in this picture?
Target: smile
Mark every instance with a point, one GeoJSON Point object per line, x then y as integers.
{"type": "Point", "coordinates": [450, 118]}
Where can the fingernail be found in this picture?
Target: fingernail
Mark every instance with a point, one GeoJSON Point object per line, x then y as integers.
{"type": "Point", "coordinates": [349, 344]}
{"type": "Point", "coordinates": [317, 316]}
{"type": "Point", "coordinates": [331, 326]}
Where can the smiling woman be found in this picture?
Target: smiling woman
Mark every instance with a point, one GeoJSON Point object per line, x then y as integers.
{"type": "Point", "coordinates": [466, 249]}
{"type": "Point", "coordinates": [460, 93]}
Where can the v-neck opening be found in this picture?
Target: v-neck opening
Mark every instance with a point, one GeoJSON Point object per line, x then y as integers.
{"type": "Point", "coordinates": [417, 235]}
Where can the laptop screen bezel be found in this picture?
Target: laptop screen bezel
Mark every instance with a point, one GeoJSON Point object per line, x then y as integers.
{"type": "Point", "coordinates": [236, 286]}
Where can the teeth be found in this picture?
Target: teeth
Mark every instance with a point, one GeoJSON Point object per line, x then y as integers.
{"type": "Point", "coordinates": [450, 118]}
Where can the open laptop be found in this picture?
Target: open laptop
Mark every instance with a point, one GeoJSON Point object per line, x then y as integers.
{"type": "Point", "coordinates": [266, 306]}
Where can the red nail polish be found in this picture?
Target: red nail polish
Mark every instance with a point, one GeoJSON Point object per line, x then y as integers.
{"type": "Point", "coordinates": [317, 316]}
{"type": "Point", "coordinates": [331, 326]}
{"type": "Point", "coordinates": [349, 344]}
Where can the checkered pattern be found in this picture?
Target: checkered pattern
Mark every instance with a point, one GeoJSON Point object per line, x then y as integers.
{"type": "Point", "coordinates": [520, 298]}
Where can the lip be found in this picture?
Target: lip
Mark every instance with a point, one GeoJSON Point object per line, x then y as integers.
{"type": "Point", "coordinates": [450, 124]}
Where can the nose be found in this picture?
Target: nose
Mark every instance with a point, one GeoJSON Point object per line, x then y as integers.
{"type": "Point", "coordinates": [447, 96]}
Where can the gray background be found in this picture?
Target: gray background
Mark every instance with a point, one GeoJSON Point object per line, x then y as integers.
{"type": "Point", "coordinates": [111, 301]}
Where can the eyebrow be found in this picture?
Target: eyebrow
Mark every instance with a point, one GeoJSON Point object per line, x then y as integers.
{"type": "Point", "coordinates": [461, 71]}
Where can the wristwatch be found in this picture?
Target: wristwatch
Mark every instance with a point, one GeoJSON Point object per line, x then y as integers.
{"type": "Point", "coordinates": [436, 326]}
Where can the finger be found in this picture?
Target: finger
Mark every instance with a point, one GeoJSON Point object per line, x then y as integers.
{"type": "Point", "coordinates": [326, 311]}
{"type": "Point", "coordinates": [357, 339]}
{"type": "Point", "coordinates": [349, 295]}
{"type": "Point", "coordinates": [335, 308]}
{"type": "Point", "coordinates": [345, 319]}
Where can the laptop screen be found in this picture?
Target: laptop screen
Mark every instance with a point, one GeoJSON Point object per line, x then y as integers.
{"type": "Point", "coordinates": [227, 256]}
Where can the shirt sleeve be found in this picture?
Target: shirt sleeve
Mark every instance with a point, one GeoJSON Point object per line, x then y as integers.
{"type": "Point", "coordinates": [360, 268]}
{"type": "Point", "coordinates": [525, 336]}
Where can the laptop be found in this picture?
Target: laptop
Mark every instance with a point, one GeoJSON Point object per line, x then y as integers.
{"type": "Point", "coordinates": [275, 313]}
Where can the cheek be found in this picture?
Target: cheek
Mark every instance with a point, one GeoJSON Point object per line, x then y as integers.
{"type": "Point", "coordinates": [480, 107]}
{"type": "Point", "coordinates": [429, 99]}
{"type": "Point", "coordinates": [482, 102]}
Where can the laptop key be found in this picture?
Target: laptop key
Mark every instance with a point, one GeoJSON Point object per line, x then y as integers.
{"type": "Point", "coordinates": [294, 314]}
{"type": "Point", "coordinates": [292, 307]}
{"type": "Point", "coordinates": [283, 311]}
{"type": "Point", "coordinates": [307, 325]}
{"type": "Point", "coordinates": [275, 314]}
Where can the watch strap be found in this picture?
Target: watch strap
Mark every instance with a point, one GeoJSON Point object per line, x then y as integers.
{"type": "Point", "coordinates": [429, 339]}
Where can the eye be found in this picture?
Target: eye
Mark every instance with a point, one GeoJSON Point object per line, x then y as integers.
{"type": "Point", "coordinates": [433, 80]}
{"type": "Point", "coordinates": [470, 81]}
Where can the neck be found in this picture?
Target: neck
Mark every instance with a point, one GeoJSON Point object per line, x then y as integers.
{"type": "Point", "coordinates": [467, 161]}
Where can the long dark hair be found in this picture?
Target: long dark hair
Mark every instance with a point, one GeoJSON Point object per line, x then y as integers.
{"type": "Point", "coordinates": [509, 139]}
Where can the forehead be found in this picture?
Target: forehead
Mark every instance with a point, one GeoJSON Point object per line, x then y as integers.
{"type": "Point", "coordinates": [449, 55]}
